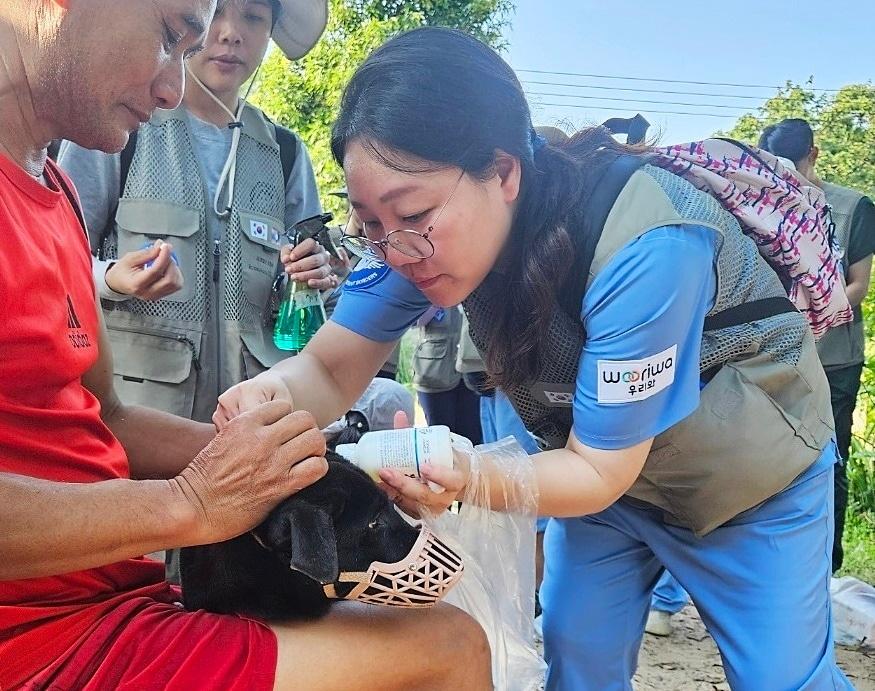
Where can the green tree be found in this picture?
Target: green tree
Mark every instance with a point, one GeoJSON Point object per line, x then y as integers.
{"type": "Point", "coordinates": [305, 95]}
{"type": "Point", "coordinates": [844, 126]}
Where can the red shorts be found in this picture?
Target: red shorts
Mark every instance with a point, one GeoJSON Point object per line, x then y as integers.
{"type": "Point", "coordinates": [150, 643]}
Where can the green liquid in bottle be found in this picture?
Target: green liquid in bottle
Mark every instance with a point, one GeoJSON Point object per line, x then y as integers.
{"type": "Point", "coordinates": [300, 315]}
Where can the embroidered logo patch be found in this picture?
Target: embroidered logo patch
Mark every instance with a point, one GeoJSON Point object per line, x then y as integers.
{"type": "Point", "coordinates": [368, 272]}
{"type": "Point", "coordinates": [635, 380]}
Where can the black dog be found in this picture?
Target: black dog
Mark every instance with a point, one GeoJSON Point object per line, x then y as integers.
{"type": "Point", "coordinates": [343, 522]}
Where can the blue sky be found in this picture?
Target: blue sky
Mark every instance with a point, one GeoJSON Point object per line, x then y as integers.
{"type": "Point", "coordinates": [738, 42]}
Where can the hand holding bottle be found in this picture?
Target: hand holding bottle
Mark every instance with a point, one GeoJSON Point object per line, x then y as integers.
{"type": "Point", "coordinates": [413, 494]}
{"type": "Point", "coordinates": [307, 262]}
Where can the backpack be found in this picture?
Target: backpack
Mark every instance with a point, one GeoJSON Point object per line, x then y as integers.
{"type": "Point", "coordinates": [786, 216]}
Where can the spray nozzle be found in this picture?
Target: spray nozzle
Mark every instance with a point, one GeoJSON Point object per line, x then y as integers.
{"type": "Point", "coordinates": [314, 227]}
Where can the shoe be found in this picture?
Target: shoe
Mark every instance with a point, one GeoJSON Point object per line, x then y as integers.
{"type": "Point", "coordinates": [658, 623]}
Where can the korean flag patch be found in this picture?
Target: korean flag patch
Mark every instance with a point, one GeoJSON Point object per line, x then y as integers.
{"type": "Point", "coordinates": [258, 229]}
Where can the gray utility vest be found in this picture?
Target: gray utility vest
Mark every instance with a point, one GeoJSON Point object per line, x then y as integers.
{"type": "Point", "coordinates": [437, 348]}
{"type": "Point", "coordinates": [177, 354]}
{"type": "Point", "coordinates": [763, 417]}
{"type": "Point", "coordinates": [843, 345]}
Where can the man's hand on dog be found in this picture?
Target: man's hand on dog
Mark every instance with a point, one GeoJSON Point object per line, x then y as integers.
{"type": "Point", "coordinates": [257, 460]}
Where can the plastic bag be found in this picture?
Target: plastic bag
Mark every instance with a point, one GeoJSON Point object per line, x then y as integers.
{"type": "Point", "coordinates": [853, 611]}
{"type": "Point", "coordinates": [498, 549]}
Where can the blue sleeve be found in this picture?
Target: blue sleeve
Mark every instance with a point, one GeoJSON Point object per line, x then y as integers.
{"type": "Point", "coordinates": [644, 315]}
{"type": "Point", "coordinates": [378, 303]}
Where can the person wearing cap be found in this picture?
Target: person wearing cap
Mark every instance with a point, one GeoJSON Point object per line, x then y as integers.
{"type": "Point", "coordinates": [187, 222]}
{"type": "Point", "coordinates": [89, 483]}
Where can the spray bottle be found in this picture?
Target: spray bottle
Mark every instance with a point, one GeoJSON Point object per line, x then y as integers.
{"type": "Point", "coordinates": [301, 311]}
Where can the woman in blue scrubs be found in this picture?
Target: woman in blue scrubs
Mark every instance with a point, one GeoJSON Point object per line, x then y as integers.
{"type": "Point", "coordinates": [701, 451]}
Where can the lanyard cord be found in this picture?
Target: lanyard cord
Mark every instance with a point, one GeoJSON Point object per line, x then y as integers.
{"type": "Point", "coordinates": [229, 170]}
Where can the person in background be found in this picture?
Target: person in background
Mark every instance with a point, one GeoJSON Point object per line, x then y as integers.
{"type": "Point", "coordinates": [374, 411]}
{"type": "Point", "coordinates": [440, 389]}
{"type": "Point", "coordinates": [842, 349]}
{"type": "Point", "coordinates": [669, 598]}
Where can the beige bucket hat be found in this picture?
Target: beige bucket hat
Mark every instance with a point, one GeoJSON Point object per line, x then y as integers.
{"type": "Point", "coordinates": [300, 25]}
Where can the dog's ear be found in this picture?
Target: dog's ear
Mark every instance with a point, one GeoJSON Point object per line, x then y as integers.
{"type": "Point", "coordinates": [313, 543]}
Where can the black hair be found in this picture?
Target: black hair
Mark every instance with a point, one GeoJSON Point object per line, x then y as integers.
{"type": "Point", "coordinates": [791, 138]}
{"type": "Point", "coordinates": [434, 98]}
{"type": "Point", "coordinates": [355, 429]}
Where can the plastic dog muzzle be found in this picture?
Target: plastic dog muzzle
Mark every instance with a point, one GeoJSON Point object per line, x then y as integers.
{"type": "Point", "coordinates": [421, 579]}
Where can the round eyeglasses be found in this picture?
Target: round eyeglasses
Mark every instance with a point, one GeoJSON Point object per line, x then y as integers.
{"type": "Point", "coordinates": [408, 242]}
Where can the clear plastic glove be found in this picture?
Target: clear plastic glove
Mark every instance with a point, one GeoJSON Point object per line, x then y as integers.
{"type": "Point", "coordinates": [149, 274]}
{"type": "Point", "coordinates": [498, 549]}
{"type": "Point", "coordinates": [309, 263]}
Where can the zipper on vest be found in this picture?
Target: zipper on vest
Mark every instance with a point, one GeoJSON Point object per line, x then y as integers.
{"type": "Point", "coordinates": [217, 255]}
{"type": "Point", "coordinates": [195, 361]}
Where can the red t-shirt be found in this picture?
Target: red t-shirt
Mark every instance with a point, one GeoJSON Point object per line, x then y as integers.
{"type": "Point", "coordinates": [50, 428]}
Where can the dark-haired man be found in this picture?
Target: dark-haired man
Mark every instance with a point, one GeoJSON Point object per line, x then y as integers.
{"type": "Point", "coordinates": [86, 483]}
{"type": "Point", "coordinates": [841, 350]}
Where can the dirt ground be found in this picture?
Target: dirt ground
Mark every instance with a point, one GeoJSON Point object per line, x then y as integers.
{"type": "Point", "coordinates": [688, 660]}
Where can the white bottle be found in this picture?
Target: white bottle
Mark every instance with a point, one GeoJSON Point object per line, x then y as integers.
{"type": "Point", "coordinates": [404, 450]}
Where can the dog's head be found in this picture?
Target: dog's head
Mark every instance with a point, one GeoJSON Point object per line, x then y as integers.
{"type": "Point", "coordinates": [342, 523]}
{"type": "Point", "coordinates": [339, 538]}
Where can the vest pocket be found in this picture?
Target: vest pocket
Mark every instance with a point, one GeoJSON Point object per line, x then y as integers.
{"type": "Point", "coordinates": [259, 353]}
{"type": "Point", "coordinates": [139, 222]}
{"type": "Point", "coordinates": [841, 345]}
{"type": "Point", "coordinates": [252, 364]}
{"type": "Point", "coordinates": [259, 256]}
{"type": "Point", "coordinates": [155, 369]}
{"type": "Point", "coordinates": [434, 360]}
{"type": "Point", "coordinates": [434, 369]}
{"type": "Point", "coordinates": [737, 449]}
